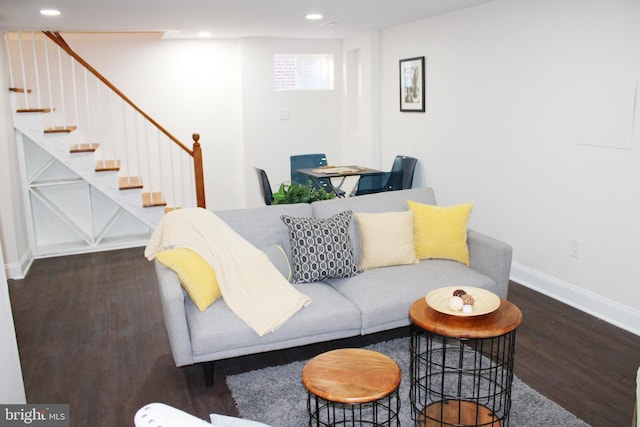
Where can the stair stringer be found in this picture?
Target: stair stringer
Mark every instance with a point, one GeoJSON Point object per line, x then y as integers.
{"type": "Point", "coordinates": [57, 145]}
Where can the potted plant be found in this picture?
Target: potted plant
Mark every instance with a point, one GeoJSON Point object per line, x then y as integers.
{"type": "Point", "coordinates": [295, 193]}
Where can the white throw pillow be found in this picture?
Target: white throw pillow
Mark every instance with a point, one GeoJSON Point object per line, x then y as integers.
{"type": "Point", "coordinates": [386, 239]}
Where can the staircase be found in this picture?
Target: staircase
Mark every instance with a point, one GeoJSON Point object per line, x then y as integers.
{"type": "Point", "coordinates": [105, 181]}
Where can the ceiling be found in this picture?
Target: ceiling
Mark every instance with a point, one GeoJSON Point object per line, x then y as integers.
{"type": "Point", "coordinates": [224, 18]}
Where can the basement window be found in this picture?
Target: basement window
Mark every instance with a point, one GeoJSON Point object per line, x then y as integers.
{"type": "Point", "coordinates": [302, 72]}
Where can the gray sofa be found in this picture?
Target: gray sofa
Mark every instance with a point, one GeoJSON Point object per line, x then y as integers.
{"type": "Point", "coordinates": [372, 301]}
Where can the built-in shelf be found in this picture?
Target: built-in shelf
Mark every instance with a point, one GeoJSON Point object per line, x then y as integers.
{"type": "Point", "coordinates": [68, 213]}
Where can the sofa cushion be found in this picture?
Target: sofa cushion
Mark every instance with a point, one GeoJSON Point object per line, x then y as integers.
{"type": "Point", "coordinates": [262, 226]}
{"type": "Point", "coordinates": [386, 239]}
{"type": "Point", "coordinates": [198, 278]}
{"type": "Point", "coordinates": [384, 295]}
{"type": "Point", "coordinates": [441, 231]}
{"type": "Point", "coordinates": [217, 333]}
{"type": "Point", "coordinates": [279, 259]}
{"type": "Point", "coordinates": [381, 202]}
{"type": "Point", "coordinates": [321, 247]}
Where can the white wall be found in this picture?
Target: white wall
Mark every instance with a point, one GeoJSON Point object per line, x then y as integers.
{"type": "Point", "coordinates": [361, 100]}
{"type": "Point", "coordinates": [314, 124]}
{"type": "Point", "coordinates": [530, 108]}
{"type": "Point", "coordinates": [11, 382]}
{"type": "Point", "coordinates": [224, 90]}
{"type": "Point", "coordinates": [14, 235]}
{"type": "Point", "coordinates": [221, 89]}
{"type": "Point", "coordinates": [515, 91]}
{"type": "Point", "coordinates": [188, 86]}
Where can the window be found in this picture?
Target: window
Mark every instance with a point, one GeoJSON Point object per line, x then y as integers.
{"type": "Point", "coordinates": [303, 72]}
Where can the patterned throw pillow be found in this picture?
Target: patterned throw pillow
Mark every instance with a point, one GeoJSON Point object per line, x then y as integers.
{"type": "Point", "coordinates": [321, 247]}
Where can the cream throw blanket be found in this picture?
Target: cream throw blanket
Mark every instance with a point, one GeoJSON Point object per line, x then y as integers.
{"type": "Point", "coordinates": [250, 284]}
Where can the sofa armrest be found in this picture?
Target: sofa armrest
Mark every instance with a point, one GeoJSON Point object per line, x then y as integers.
{"type": "Point", "coordinates": [175, 317]}
{"type": "Point", "coordinates": [491, 257]}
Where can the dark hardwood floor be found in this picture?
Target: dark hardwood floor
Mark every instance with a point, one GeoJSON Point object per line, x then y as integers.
{"type": "Point", "coordinates": [91, 334]}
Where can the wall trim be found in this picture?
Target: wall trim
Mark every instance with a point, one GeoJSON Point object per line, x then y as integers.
{"type": "Point", "coordinates": [19, 270]}
{"type": "Point", "coordinates": [593, 304]}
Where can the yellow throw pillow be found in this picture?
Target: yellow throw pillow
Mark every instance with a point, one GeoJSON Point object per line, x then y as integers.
{"type": "Point", "coordinates": [386, 239]}
{"type": "Point", "coordinates": [196, 275]}
{"type": "Point", "coordinates": [441, 231]}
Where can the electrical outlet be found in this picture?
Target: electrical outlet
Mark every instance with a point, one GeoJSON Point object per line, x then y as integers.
{"type": "Point", "coordinates": [574, 248]}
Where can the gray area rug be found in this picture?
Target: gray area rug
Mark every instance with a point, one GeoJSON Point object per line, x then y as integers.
{"type": "Point", "coordinates": [276, 396]}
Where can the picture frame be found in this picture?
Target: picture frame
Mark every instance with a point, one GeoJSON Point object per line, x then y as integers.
{"type": "Point", "coordinates": [412, 85]}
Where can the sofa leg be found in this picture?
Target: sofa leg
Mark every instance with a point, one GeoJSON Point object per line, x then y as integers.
{"type": "Point", "coordinates": [207, 367]}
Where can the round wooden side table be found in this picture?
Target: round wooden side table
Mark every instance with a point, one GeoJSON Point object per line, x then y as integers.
{"type": "Point", "coordinates": [461, 368]}
{"type": "Point", "coordinates": [352, 387]}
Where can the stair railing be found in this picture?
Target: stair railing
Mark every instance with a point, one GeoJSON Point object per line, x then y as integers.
{"type": "Point", "coordinates": [104, 114]}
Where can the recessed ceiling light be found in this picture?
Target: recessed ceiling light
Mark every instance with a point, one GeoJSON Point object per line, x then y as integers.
{"type": "Point", "coordinates": [49, 12]}
{"type": "Point", "coordinates": [313, 16]}
{"type": "Point", "coordinates": [204, 34]}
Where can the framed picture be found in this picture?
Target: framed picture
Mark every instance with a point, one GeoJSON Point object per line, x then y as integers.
{"type": "Point", "coordinates": [412, 84]}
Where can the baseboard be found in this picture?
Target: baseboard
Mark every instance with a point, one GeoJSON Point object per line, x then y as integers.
{"type": "Point", "coordinates": [596, 305]}
{"type": "Point", "coordinates": [18, 270]}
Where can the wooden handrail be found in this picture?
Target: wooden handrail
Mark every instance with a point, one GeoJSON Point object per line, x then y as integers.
{"type": "Point", "coordinates": [57, 39]}
{"type": "Point", "coordinates": [196, 152]}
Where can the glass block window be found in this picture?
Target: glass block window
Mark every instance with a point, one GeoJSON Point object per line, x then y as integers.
{"type": "Point", "coordinates": [303, 72]}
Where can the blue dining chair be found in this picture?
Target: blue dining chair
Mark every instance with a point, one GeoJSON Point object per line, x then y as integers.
{"type": "Point", "coordinates": [372, 183]}
{"type": "Point", "coordinates": [399, 178]}
{"type": "Point", "coordinates": [404, 168]}
{"type": "Point", "coordinates": [307, 161]}
{"type": "Point", "coordinates": [265, 186]}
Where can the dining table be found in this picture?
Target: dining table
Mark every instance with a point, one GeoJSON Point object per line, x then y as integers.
{"type": "Point", "coordinates": [331, 172]}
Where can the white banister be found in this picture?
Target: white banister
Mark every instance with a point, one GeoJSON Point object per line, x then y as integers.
{"type": "Point", "coordinates": [74, 86]}
{"type": "Point", "coordinates": [127, 160]}
{"type": "Point", "coordinates": [61, 83]}
{"type": "Point", "coordinates": [7, 46]}
{"type": "Point", "coordinates": [48, 72]}
{"type": "Point", "coordinates": [138, 145]}
{"type": "Point", "coordinates": [148, 150]}
{"type": "Point", "coordinates": [173, 188]}
{"type": "Point", "coordinates": [102, 155]}
{"type": "Point", "coordinates": [87, 106]}
{"type": "Point", "coordinates": [23, 71]}
{"type": "Point", "coordinates": [105, 118]}
{"type": "Point", "coordinates": [36, 69]}
{"type": "Point", "coordinates": [111, 124]}
{"type": "Point", "coordinates": [160, 180]}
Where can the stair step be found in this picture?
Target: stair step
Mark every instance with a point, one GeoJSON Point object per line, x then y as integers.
{"type": "Point", "coordinates": [61, 129]}
{"type": "Point", "coordinates": [33, 110]}
{"type": "Point", "coordinates": [129, 182]}
{"type": "Point", "coordinates": [19, 90]}
{"type": "Point", "coordinates": [84, 148]}
{"type": "Point", "coordinates": [108, 165]}
{"type": "Point", "coordinates": [171, 208]}
{"type": "Point", "coordinates": [152, 199]}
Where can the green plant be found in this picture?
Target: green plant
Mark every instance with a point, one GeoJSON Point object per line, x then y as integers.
{"type": "Point", "coordinates": [295, 193]}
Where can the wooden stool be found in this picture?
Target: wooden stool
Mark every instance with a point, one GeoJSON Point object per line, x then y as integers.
{"type": "Point", "coordinates": [352, 386]}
